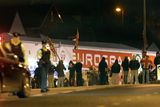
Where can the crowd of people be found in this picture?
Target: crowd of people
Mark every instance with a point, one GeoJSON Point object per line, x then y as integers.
{"type": "Point", "coordinates": [105, 75]}
{"type": "Point", "coordinates": [129, 74]}
{"type": "Point", "coordinates": [129, 68]}
{"type": "Point", "coordinates": [44, 74]}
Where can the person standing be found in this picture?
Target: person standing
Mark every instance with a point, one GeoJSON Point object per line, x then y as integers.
{"type": "Point", "coordinates": [37, 77]}
{"type": "Point", "coordinates": [103, 74]}
{"type": "Point", "coordinates": [51, 76]}
{"type": "Point", "coordinates": [60, 69]}
{"type": "Point", "coordinates": [146, 64]}
{"type": "Point", "coordinates": [78, 68]}
{"type": "Point", "coordinates": [71, 73]}
{"type": "Point", "coordinates": [125, 66]}
{"type": "Point", "coordinates": [156, 63]}
{"type": "Point", "coordinates": [115, 69]}
{"type": "Point", "coordinates": [44, 55]}
{"type": "Point", "coordinates": [134, 66]}
{"type": "Point", "coordinates": [157, 58]}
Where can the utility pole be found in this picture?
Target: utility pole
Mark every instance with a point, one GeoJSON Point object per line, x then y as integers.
{"type": "Point", "coordinates": [144, 27]}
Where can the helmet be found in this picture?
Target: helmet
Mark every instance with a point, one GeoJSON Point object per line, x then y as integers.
{"type": "Point", "coordinates": [16, 34]}
{"type": "Point", "coordinates": [44, 42]}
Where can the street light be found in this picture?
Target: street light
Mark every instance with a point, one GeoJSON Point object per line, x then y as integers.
{"type": "Point", "coordinates": [121, 11]}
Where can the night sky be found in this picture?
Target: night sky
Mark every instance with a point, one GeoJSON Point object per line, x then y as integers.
{"type": "Point", "coordinates": [96, 20]}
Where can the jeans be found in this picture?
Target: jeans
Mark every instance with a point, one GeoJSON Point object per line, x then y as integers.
{"type": "Point", "coordinates": [44, 71]}
{"type": "Point", "coordinates": [145, 76]}
{"type": "Point", "coordinates": [125, 79]}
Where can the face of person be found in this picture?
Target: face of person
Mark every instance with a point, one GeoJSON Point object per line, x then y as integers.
{"type": "Point", "coordinates": [70, 64]}
{"type": "Point", "coordinates": [46, 46]}
{"type": "Point", "coordinates": [134, 57]}
{"type": "Point", "coordinates": [16, 40]}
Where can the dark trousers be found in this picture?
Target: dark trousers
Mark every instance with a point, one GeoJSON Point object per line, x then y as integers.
{"type": "Point", "coordinates": [44, 71]}
{"type": "Point", "coordinates": [103, 79]}
{"type": "Point", "coordinates": [79, 79]}
{"type": "Point", "coordinates": [71, 80]}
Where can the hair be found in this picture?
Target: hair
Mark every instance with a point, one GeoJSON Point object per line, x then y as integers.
{"type": "Point", "coordinates": [157, 52]}
{"type": "Point", "coordinates": [103, 58]}
{"type": "Point", "coordinates": [71, 62]}
{"type": "Point", "coordinates": [126, 58]}
{"type": "Point", "coordinates": [116, 61]}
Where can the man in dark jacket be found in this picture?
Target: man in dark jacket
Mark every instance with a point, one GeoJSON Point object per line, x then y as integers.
{"type": "Point", "coordinates": [134, 66]}
{"type": "Point", "coordinates": [115, 69]}
{"type": "Point", "coordinates": [60, 69]}
{"type": "Point", "coordinates": [78, 68]}
{"type": "Point", "coordinates": [156, 62]}
{"type": "Point", "coordinates": [125, 66]}
{"type": "Point", "coordinates": [157, 58]}
{"type": "Point", "coordinates": [71, 69]}
{"type": "Point", "coordinates": [103, 74]}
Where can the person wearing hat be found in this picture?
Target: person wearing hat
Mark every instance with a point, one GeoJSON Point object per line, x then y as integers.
{"type": "Point", "coordinates": [44, 62]}
{"type": "Point", "coordinates": [15, 45]}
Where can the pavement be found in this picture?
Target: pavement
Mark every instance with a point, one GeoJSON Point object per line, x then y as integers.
{"type": "Point", "coordinates": [140, 95]}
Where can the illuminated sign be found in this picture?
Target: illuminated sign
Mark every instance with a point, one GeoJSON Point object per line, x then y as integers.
{"type": "Point", "coordinates": [92, 58]}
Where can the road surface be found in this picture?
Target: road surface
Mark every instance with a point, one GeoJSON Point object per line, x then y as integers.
{"type": "Point", "coordinates": [94, 96]}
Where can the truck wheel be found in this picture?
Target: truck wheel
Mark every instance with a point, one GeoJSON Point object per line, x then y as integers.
{"type": "Point", "coordinates": [25, 88]}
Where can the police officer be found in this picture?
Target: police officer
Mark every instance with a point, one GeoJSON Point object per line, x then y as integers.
{"type": "Point", "coordinates": [44, 55]}
{"type": "Point", "coordinates": [15, 46]}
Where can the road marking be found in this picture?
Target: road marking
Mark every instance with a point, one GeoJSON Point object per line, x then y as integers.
{"type": "Point", "coordinates": [156, 93]}
{"type": "Point", "coordinates": [128, 100]}
{"type": "Point", "coordinates": [45, 94]}
{"type": "Point", "coordinates": [42, 94]}
{"type": "Point", "coordinates": [101, 106]}
{"type": "Point", "coordinates": [116, 104]}
{"type": "Point", "coordinates": [139, 97]}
